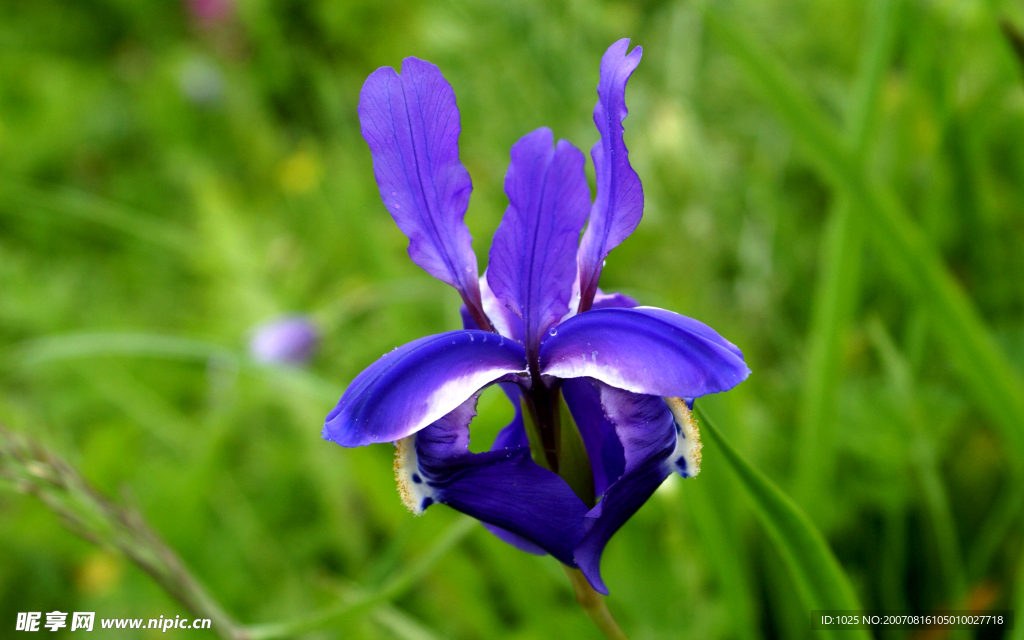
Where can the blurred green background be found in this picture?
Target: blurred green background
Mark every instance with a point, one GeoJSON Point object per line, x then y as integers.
{"type": "Point", "coordinates": [173, 174]}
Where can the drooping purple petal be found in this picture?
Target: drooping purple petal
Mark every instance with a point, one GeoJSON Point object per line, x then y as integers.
{"type": "Point", "coordinates": [418, 384]}
{"type": "Point", "coordinates": [619, 204]}
{"type": "Point", "coordinates": [504, 488]}
{"type": "Point", "coordinates": [598, 433]}
{"type": "Point", "coordinates": [532, 262]}
{"type": "Point", "coordinates": [411, 124]}
{"type": "Point", "coordinates": [652, 441]}
{"type": "Point", "coordinates": [644, 350]}
{"type": "Point", "coordinates": [513, 436]}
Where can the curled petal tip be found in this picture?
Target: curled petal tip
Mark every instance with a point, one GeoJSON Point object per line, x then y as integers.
{"type": "Point", "coordinates": [619, 204]}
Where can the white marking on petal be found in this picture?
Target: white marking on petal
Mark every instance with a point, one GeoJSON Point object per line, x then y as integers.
{"type": "Point", "coordinates": [685, 459]}
{"type": "Point", "coordinates": [416, 494]}
{"type": "Point", "coordinates": [453, 392]}
{"type": "Point", "coordinates": [495, 309]}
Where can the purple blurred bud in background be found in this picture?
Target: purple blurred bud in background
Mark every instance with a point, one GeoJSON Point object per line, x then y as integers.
{"type": "Point", "coordinates": [290, 340]}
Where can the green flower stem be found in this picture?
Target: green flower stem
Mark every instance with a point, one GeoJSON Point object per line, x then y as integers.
{"type": "Point", "coordinates": [593, 603]}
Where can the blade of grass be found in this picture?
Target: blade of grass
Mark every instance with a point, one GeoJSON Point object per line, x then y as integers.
{"type": "Point", "coordinates": [402, 625]}
{"type": "Point", "coordinates": [93, 345]}
{"type": "Point", "coordinates": [89, 207]}
{"type": "Point", "coordinates": [29, 468]}
{"type": "Point", "coordinates": [924, 462]}
{"type": "Point", "coordinates": [724, 557]}
{"type": "Point", "coordinates": [819, 578]}
{"type": "Point", "coordinates": [839, 259]}
{"type": "Point", "coordinates": [398, 584]}
{"type": "Point", "coordinates": [34, 470]}
{"type": "Point", "coordinates": [997, 525]}
{"type": "Point", "coordinates": [986, 372]}
{"type": "Point", "coordinates": [117, 385]}
{"type": "Point", "coordinates": [1018, 632]}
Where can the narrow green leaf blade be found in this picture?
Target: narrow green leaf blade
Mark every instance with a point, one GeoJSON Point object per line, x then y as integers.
{"type": "Point", "coordinates": [820, 580]}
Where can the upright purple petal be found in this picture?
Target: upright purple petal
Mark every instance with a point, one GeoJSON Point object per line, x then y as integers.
{"type": "Point", "coordinates": [620, 197]}
{"type": "Point", "coordinates": [658, 437]}
{"type": "Point", "coordinates": [411, 124]}
{"type": "Point", "coordinates": [532, 263]}
{"type": "Point", "coordinates": [504, 487]}
{"type": "Point", "coordinates": [644, 350]}
{"type": "Point", "coordinates": [418, 384]}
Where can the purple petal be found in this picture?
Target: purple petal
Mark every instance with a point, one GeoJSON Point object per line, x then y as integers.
{"type": "Point", "coordinates": [654, 444]}
{"type": "Point", "coordinates": [644, 350]}
{"type": "Point", "coordinates": [603, 446]}
{"type": "Point", "coordinates": [518, 542]}
{"type": "Point", "coordinates": [504, 488]}
{"type": "Point", "coordinates": [532, 262]}
{"type": "Point", "coordinates": [613, 300]}
{"type": "Point", "coordinates": [411, 124]}
{"type": "Point", "coordinates": [620, 197]}
{"type": "Point", "coordinates": [513, 435]}
{"type": "Point", "coordinates": [602, 300]}
{"type": "Point", "coordinates": [285, 341]}
{"type": "Point", "coordinates": [419, 383]}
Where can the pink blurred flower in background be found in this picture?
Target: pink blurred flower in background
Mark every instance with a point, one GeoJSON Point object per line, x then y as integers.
{"type": "Point", "coordinates": [210, 13]}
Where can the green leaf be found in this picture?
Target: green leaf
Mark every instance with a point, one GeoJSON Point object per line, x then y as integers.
{"type": "Point", "coordinates": [985, 370]}
{"type": "Point", "coordinates": [819, 579]}
{"type": "Point", "coordinates": [839, 263]}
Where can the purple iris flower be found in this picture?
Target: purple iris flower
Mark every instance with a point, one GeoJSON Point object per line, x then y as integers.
{"type": "Point", "coordinates": [602, 387]}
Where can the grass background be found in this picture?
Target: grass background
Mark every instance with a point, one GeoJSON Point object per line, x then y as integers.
{"type": "Point", "coordinates": [835, 187]}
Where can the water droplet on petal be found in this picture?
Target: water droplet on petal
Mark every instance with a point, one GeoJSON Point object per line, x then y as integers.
{"type": "Point", "coordinates": [552, 331]}
{"type": "Point", "coordinates": [398, 206]}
